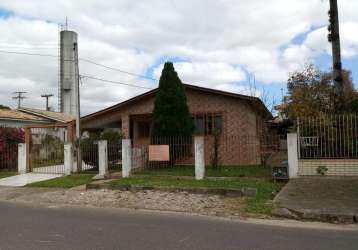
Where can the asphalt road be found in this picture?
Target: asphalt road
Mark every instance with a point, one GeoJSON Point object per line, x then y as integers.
{"type": "Point", "coordinates": [29, 227]}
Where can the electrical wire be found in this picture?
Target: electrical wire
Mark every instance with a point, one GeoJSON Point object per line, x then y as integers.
{"type": "Point", "coordinates": [81, 59]}
{"type": "Point", "coordinates": [27, 53]}
{"type": "Point", "coordinates": [116, 69]}
{"type": "Point", "coordinates": [114, 82]}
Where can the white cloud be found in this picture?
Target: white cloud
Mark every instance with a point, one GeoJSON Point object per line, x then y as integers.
{"type": "Point", "coordinates": [206, 73]}
{"type": "Point", "coordinates": [216, 39]}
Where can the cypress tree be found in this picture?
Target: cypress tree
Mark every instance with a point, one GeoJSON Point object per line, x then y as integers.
{"type": "Point", "coordinates": [171, 117]}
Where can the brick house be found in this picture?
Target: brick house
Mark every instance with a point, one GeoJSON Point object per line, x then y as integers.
{"type": "Point", "coordinates": [240, 119]}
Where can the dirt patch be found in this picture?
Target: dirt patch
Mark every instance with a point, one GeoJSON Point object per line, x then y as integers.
{"type": "Point", "coordinates": [205, 204]}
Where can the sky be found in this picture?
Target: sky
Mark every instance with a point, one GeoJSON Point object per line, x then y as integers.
{"type": "Point", "coordinates": [243, 46]}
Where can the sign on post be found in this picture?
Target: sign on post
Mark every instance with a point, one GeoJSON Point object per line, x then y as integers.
{"type": "Point", "coordinates": [159, 153]}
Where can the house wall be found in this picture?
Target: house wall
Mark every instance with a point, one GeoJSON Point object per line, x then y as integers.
{"type": "Point", "coordinates": [336, 167]}
{"type": "Point", "coordinates": [239, 120]}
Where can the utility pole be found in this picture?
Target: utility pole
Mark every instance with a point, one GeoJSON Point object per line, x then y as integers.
{"type": "Point", "coordinates": [19, 97]}
{"type": "Point", "coordinates": [47, 96]}
{"type": "Point", "coordinates": [78, 113]}
{"type": "Point", "coordinates": [334, 38]}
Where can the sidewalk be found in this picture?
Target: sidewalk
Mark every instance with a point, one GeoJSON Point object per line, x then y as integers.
{"type": "Point", "coordinates": [329, 199]}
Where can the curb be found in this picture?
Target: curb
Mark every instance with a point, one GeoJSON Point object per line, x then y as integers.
{"type": "Point", "coordinates": [289, 213]}
{"type": "Point", "coordinates": [249, 192]}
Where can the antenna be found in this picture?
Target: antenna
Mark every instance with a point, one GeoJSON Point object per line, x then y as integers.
{"type": "Point", "coordinates": [47, 96]}
{"type": "Point", "coordinates": [19, 97]}
{"type": "Point", "coordinates": [66, 24]}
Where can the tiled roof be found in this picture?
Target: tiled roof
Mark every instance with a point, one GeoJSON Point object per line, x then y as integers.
{"type": "Point", "coordinates": [51, 115]}
{"type": "Point", "coordinates": [18, 115]}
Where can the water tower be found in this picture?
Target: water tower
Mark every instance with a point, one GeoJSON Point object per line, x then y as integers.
{"type": "Point", "coordinates": [68, 87]}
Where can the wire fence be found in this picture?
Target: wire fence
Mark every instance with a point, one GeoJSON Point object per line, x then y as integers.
{"type": "Point", "coordinates": [328, 137]}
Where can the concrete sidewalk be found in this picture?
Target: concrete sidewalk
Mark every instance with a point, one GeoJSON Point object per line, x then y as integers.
{"type": "Point", "coordinates": [24, 179]}
{"type": "Point", "coordinates": [330, 199]}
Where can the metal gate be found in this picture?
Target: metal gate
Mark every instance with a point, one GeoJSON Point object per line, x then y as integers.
{"type": "Point", "coordinates": [46, 152]}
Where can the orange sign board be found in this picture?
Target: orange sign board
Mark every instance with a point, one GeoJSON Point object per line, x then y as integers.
{"type": "Point", "coordinates": [158, 152]}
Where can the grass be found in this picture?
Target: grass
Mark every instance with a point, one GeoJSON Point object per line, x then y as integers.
{"type": "Point", "coordinates": [222, 171]}
{"type": "Point", "coordinates": [65, 182]}
{"type": "Point", "coordinates": [4, 174]}
{"type": "Point", "coordinates": [261, 204]}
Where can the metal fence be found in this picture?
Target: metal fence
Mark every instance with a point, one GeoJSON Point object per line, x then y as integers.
{"type": "Point", "coordinates": [9, 138]}
{"type": "Point", "coordinates": [47, 150]}
{"type": "Point", "coordinates": [328, 137]}
{"type": "Point", "coordinates": [114, 155]}
{"type": "Point", "coordinates": [8, 156]}
{"type": "Point", "coordinates": [89, 153]}
{"type": "Point", "coordinates": [241, 150]}
{"type": "Point", "coordinates": [180, 150]}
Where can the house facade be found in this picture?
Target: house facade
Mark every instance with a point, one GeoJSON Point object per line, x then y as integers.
{"type": "Point", "coordinates": [235, 116]}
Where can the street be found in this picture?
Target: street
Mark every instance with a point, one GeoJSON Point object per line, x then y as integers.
{"type": "Point", "coordinates": [34, 227]}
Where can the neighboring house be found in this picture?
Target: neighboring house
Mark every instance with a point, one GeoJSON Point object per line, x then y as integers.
{"type": "Point", "coordinates": [25, 116]}
{"type": "Point", "coordinates": [235, 115]}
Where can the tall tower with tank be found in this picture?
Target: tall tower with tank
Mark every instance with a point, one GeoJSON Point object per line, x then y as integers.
{"type": "Point", "coordinates": [68, 85]}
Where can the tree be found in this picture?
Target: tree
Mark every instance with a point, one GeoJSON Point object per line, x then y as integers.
{"type": "Point", "coordinates": [312, 92]}
{"type": "Point", "coordinates": [171, 115]}
{"type": "Point", "coordinates": [4, 107]}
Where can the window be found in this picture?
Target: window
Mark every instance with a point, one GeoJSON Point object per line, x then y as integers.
{"type": "Point", "coordinates": [206, 124]}
{"type": "Point", "coordinates": [143, 129]}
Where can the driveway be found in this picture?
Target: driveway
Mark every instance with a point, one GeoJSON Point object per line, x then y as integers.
{"type": "Point", "coordinates": [34, 227]}
{"type": "Point", "coordinates": [333, 199]}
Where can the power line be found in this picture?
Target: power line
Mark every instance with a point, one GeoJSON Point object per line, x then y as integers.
{"type": "Point", "coordinates": [19, 97]}
{"type": "Point", "coordinates": [47, 96]}
{"type": "Point", "coordinates": [116, 69]}
{"type": "Point", "coordinates": [27, 53]}
{"type": "Point", "coordinates": [81, 59]}
{"type": "Point", "coordinates": [114, 82]}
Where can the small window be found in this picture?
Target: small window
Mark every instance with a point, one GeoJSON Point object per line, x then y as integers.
{"type": "Point", "coordinates": [207, 124]}
{"type": "Point", "coordinates": [143, 129]}
{"type": "Point", "coordinates": [218, 123]}
{"type": "Point", "coordinates": [199, 123]}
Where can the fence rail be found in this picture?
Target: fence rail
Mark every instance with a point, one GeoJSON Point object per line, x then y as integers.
{"type": "Point", "coordinates": [328, 137]}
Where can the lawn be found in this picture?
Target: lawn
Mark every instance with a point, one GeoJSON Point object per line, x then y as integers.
{"type": "Point", "coordinates": [65, 182]}
{"type": "Point", "coordinates": [4, 174]}
{"type": "Point", "coordinates": [222, 171]}
{"type": "Point", "coordinates": [261, 204]}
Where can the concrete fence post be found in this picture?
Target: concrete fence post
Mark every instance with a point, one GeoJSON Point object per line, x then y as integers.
{"type": "Point", "coordinates": [199, 158]}
{"type": "Point", "coordinates": [102, 160]}
{"type": "Point", "coordinates": [68, 158]}
{"type": "Point", "coordinates": [292, 142]}
{"type": "Point", "coordinates": [21, 158]}
{"type": "Point", "coordinates": [126, 158]}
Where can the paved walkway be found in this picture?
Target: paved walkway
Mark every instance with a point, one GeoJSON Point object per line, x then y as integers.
{"type": "Point", "coordinates": [24, 179]}
{"type": "Point", "coordinates": [332, 199]}
{"type": "Point", "coordinates": [59, 169]}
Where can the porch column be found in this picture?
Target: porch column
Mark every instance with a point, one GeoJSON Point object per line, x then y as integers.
{"type": "Point", "coordinates": [199, 158]}
{"type": "Point", "coordinates": [126, 158]}
{"type": "Point", "coordinates": [125, 126]}
{"type": "Point", "coordinates": [292, 142]}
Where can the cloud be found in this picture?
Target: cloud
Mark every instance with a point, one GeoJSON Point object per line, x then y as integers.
{"type": "Point", "coordinates": [206, 73]}
{"type": "Point", "coordinates": [218, 40]}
